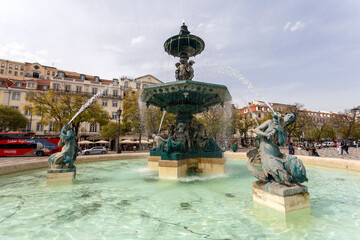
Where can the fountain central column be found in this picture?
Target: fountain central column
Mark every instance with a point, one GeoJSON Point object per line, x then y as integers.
{"type": "Point", "coordinates": [186, 147]}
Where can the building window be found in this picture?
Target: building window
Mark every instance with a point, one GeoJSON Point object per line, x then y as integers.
{"type": "Point", "coordinates": [78, 89]}
{"type": "Point", "coordinates": [27, 113]}
{"type": "Point", "coordinates": [67, 88]}
{"type": "Point", "coordinates": [105, 93]}
{"type": "Point", "coordinates": [115, 93]}
{"type": "Point", "coordinates": [21, 73]}
{"type": "Point", "coordinates": [93, 128]}
{"type": "Point", "coordinates": [126, 84]}
{"type": "Point", "coordinates": [61, 74]}
{"type": "Point", "coordinates": [1, 82]}
{"type": "Point", "coordinates": [113, 115]}
{"type": "Point", "coordinates": [10, 72]}
{"type": "Point", "coordinates": [15, 107]}
{"type": "Point", "coordinates": [55, 86]}
{"type": "Point", "coordinates": [259, 115]}
{"type": "Point", "coordinates": [22, 68]}
{"type": "Point", "coordinates": [115, 103]}
{"type": "Point", "coordinates": [96, 79]}
{"type": "Point", "coordinates": [82, 77]}
{"type": "Point", "coordinates": [143, 86]}
{"type": "Point", "coordinates": [28, 127]}
{"type": "Point", "coordinates": [48, 72]}
{"type": "Point", "coordinates": [16, 67]}
{"type": "Point", "coordinates": [94, 91]}
{"type": "Point", "coordinates": [51, 127]}
{"type": "Point", "coordinates": [15, 73]}
{"type": "Point", "coordinates": [245, 110]}
{"type": "Point", "coordinates": [18, 84]}
{"type": "Point", "coordinates": [39, 127]}
{"type": "Point", "coordinates": [44, 87]}
{"type": "Point", "coordinates": [2, 71]}
{"type": "Point", "coordinates": [10, 66]}
{"type": "Point", "coordinates": [2, 65]}
{"type": "Point", "coordinates": [16, 96]}
{"type": "Point", "coordinates": [104, 103]}
{"type": "Point", "coordinates": [138, 85]}
{"type": "Point", "coordinates": [53, 73]}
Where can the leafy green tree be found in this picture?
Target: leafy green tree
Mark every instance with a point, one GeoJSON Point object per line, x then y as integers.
{"type": "Point", "coordinates": [244, 124]}
{"type": "Point", "coordinates": [217, 122]}
{"type": "Point", "coordinates": [109, 131]}
{"type": "Point", "coordinates": [59, 107]}
{"type": "Point", "coordinates": [347, 124]}
{"type": "Point", "coordinates": [11, 119]}
{"type": "Point", "coordinates": [152, 120]}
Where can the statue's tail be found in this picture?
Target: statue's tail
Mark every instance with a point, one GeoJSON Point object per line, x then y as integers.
{"type": "Point", "coordinates": [252, 169]}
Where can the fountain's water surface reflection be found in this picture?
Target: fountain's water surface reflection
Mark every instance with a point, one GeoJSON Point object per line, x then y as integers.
{"type": "Point", "coordinates": [123, 200]}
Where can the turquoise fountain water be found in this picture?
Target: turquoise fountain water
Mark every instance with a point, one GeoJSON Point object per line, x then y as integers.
{"type": "Point", "coordinates": [123, 200]}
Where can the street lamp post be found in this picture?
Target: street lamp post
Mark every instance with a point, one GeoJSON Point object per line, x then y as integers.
{"type": "Point", "coordinates": [118, 149]}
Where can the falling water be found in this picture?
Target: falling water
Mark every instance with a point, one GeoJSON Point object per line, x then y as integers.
{"type": "Point", "coordinates": [162, 119]}
{"type": "Point", "coordinates": [252, 114]}
{"type": "Point", "coordinates": [90, 101]}
{"type": "Point", "coordinates": [234, 73]}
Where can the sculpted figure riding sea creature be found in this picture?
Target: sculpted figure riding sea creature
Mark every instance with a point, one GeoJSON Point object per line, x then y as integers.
{"type": "Point", "coordinates": [68, 154]}
{"type": "Point", "coordinates": [278, 167]}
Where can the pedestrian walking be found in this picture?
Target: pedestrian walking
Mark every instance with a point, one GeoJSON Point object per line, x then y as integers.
{"type": "Point", "coordinates": [291, 149]}
{"type": "Point", "coordinates": [338, 145]}
{"type": "Point", "coordinates": [344, 147]}
{"type": "Point", "coordinates": [235, 147]}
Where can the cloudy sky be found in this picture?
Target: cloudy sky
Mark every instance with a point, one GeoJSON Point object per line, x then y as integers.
{"type": "Point", "coordinates": [291, 51]}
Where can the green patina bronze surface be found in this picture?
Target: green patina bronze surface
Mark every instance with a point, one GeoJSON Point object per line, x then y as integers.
{"type": "Point", "coordinates": [65, 159]}
{"type": "Point", "coordinates": [185, 98]}
{"type": "Point", "coordinates": [276, 167]}
{"type": "Point", "coordinates": [184, 44]}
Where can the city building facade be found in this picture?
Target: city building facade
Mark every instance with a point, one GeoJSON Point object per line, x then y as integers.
{"type": "Point", "coordinates": [17, 79]}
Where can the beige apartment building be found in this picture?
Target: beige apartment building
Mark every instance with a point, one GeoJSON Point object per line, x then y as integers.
{"type": "Point", "coordinates": [16, 79]}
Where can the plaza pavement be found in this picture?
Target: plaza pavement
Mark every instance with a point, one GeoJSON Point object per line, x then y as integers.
{"type": "Point", "coordinates": [17, 164]}
{"type": "Point", "coordinates": [331, 152]}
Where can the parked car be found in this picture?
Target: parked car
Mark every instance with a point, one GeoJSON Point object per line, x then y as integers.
{"type": "Point", "coordinates": [94, 150]}
{"type": "Point", "coordinates": [318, 145]}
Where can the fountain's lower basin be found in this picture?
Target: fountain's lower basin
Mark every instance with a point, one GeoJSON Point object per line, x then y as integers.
{"type": "Point", "coordinates": [123, 200]}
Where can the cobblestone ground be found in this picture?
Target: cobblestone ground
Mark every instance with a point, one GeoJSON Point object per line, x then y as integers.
{"type": "Point", "coordinates": [354, 153]}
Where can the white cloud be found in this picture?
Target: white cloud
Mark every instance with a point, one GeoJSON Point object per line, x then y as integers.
{"type": "Point", "coordinates": [18, 52]}
{"type": "Point", "coordinates": [206, 28]}
{"type": "Point", "coordinates": [137, 40]}
{"type": "Point", "coordinates": [287, 25]}
{"type": "Point", "coordinates": [297, 26]}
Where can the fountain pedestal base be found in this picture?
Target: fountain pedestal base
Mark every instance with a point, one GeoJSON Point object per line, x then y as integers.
{"type": "Point", "coordinates": [60, 175]}
{"type": "Point", "coordinates": [173, 169]}
{"type": "Point", "coordinates": [281, 198]}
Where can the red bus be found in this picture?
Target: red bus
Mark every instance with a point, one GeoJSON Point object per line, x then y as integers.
{"type": "Point", "coordinates": [26, 144]}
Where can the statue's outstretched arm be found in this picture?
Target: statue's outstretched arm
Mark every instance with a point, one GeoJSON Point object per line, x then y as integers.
{"type": "Point", "coordinates": [260, 130]}
{"type": "Point", "coordinates": [67, 135]}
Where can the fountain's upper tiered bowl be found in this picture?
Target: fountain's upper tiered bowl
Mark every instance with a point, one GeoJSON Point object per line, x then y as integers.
{"type": "Point", "coordinates": [185, 97]}
{"type": "Point", "coordinates": [184, 44]}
